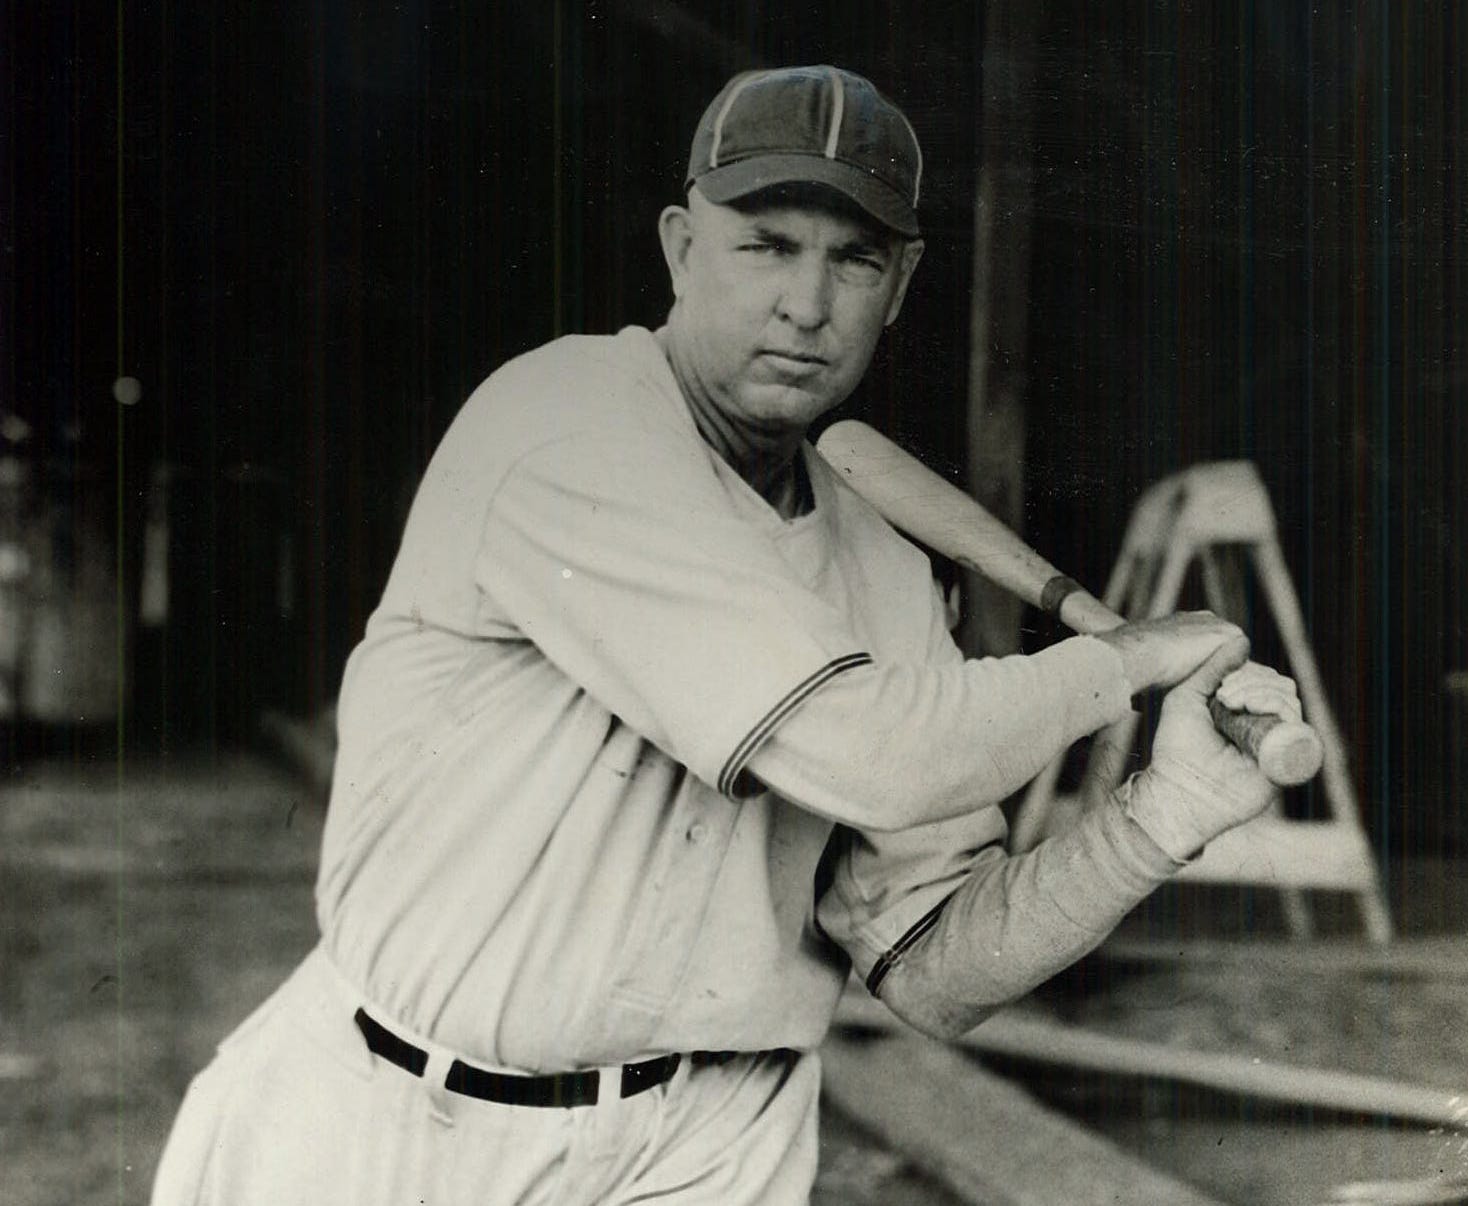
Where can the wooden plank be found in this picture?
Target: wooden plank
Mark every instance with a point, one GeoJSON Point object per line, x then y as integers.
{"type": "Point", "coordinates": [1442, 958]}
{"type": "Point", "coordinates": [167, 865]}
{"type": "Point", "coordinates": [1272, 852]}
{"type": "Point", "coordinates": [1268, 851]}
{"type": "Point", "coordinates": [985, 1138]}
{"type": "Point", "coordinates": [308, 747]}
{"type": "Point", "coordinates": [1050, 1042]}
{"type": "Point", "coordinates": [1446, 1190]}
{"type": "Point", "coordinates": [14, 1066]}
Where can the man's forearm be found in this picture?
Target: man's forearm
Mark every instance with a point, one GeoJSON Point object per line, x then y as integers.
{"type": "Point", "coordinates": [889, 747]}
{"type": "Point", "coordinates": [1017, 921]}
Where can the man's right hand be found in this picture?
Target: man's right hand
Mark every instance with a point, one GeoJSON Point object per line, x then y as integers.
{"type": "Point", "coordinates": [1160, 653]}
{"type": "Point", "coordinates": [1197, 784]}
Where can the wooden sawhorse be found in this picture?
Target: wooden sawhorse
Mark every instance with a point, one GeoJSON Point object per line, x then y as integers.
{"type": "Point", "coordinates": [1182, 519]}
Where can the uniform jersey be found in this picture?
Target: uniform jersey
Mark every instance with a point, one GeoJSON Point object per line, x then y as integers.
{"type": "Point", "coordinates": [600, 731]}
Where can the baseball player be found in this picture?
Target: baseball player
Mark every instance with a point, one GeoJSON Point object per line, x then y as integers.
{"type": "Point", "coordinates": [658, 734]}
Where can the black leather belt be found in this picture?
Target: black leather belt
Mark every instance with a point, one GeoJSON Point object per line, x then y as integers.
{"type": "Point", "coordinates": [561, 1090]}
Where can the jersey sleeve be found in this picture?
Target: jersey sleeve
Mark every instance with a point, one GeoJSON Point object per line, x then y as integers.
{"type": "Point", "coordinates": [624, 562]}
{"type": "Point", "coordinates": [619, 555]}
{"type": "Point", "coordinates": [893, 745]}
{"type": "Point", "coordinates": [1009, 922]}
{"type": "Point", "coordinates": [887, 889]}
{"type": "Point", "coordinates": [946, 897]}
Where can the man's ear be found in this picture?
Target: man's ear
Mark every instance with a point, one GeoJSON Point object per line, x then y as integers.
{"type": "Point", "coordinates": [912, 252]}
{"type": "Point", "coordinates": [675, 230]}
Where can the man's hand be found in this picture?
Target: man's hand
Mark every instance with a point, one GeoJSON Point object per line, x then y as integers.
{"type": "Point", "coordinates": [1159, 653]}
{"type": "Point", "coordinates": [1198, 784]}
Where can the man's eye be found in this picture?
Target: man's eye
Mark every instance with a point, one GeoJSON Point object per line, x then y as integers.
{"type": "Point", "coordinates": [863, 268]}
{"type": "Point", "coordinates": [763, 245]}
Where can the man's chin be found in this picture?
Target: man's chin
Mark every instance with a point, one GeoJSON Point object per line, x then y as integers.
{"type": "Point", "coordinates": [776, 409]}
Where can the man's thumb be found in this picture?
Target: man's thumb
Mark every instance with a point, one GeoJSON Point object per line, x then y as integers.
{"type": "Point", "coordinates": [1222, 662]}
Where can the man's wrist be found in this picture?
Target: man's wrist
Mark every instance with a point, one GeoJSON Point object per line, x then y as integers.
{"type": "Point", "coordinates": [1153, 800]}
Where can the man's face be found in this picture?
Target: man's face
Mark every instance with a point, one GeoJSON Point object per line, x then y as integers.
{"type": "Point", "coordinates": [780, 305]}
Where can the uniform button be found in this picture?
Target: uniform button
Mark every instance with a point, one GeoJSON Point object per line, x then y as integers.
{"type": "Point", "coordinates": [698, 833]}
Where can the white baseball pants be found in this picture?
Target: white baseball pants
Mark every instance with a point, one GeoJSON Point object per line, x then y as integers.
{"type": "Point", "coordinates": [295, 1109]}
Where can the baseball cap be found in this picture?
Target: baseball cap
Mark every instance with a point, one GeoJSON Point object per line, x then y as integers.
{"type": "Point", "coordinates": [809, 125]}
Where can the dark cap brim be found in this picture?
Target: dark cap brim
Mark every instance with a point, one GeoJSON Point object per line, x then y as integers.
{"type": "Point", "coordinates": [731, 181]}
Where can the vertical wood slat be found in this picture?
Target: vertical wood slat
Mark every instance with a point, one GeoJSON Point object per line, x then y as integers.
{"type": "Point", "coordinates": [998, 337]}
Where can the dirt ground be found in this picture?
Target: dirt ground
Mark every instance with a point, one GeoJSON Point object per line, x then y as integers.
{"type": "Point", "coordinates": [144, 909]}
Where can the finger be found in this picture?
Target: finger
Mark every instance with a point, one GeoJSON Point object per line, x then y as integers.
{"type": "Point", "coordinates": [1228, 693]}
{"type": "Point", "coordinates": [1229, 656]}
{"type": "Point", "coordinates": [1253, 676]}
{"type": "Point", "coordinates": [1265, 702]}
{"type": "Point", "coordinates": [1258, 689]}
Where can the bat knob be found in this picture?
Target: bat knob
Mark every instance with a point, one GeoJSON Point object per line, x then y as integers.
{"type": "Point", "coordinates": [1289, 752]}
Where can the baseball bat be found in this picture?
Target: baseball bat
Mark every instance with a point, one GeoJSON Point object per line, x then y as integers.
{"type": "Point", "coordinates": [916, 500]}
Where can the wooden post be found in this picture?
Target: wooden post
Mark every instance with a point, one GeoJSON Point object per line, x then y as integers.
{"type": "Point", "coordinates": [999, 327]}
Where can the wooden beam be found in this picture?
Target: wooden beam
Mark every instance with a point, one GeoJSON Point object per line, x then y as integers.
{"type": "Point", "coordinates": [679, 25]}
{"type": "Point", "coordinates": [1272, 852]}
{"type": "Point", "coordinates": [999, 320]}
{"type": "Point", "coordinates": [1050, 1042]}
{"type": "Point", "coordinates": [1449, 1189]}
{"type": "Point", "coordinates": [170, 866]}
{"type": "Point", "coordinates": [985, 1138]}
{"type": "Point", "coordinates": [1443, 958]}
{"type": "Point", "coordinates": [308, 747]}
{"type": "Point", "coordinates": [14, 1066]}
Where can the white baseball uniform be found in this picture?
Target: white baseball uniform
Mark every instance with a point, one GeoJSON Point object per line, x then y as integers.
{"type": "Point", "coordinates": [630, 766]}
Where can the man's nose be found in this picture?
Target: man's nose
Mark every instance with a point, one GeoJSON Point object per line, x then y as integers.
{"type": "Point", "coordinates": [806, 298]}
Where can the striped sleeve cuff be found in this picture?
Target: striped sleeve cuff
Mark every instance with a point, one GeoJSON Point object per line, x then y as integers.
{"type": "Point", "coordinates": [893, 955]}
{"type": "Point", "coordinates": [771, 720]}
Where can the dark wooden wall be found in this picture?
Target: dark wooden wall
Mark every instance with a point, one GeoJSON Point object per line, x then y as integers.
{"type": "Point", "coordinates": [1250, 223]}
{"type": "Point", "coordinates": [321, 224]}
{"type": "Point", "coordinates": [336, 220]}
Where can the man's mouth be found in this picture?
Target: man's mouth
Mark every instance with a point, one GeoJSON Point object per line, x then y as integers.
{"type": "Point", "coordinates": [792, 359]}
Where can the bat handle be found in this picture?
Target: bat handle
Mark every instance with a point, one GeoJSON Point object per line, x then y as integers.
{"type": "Point", "coordinates": [1289, 752]}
